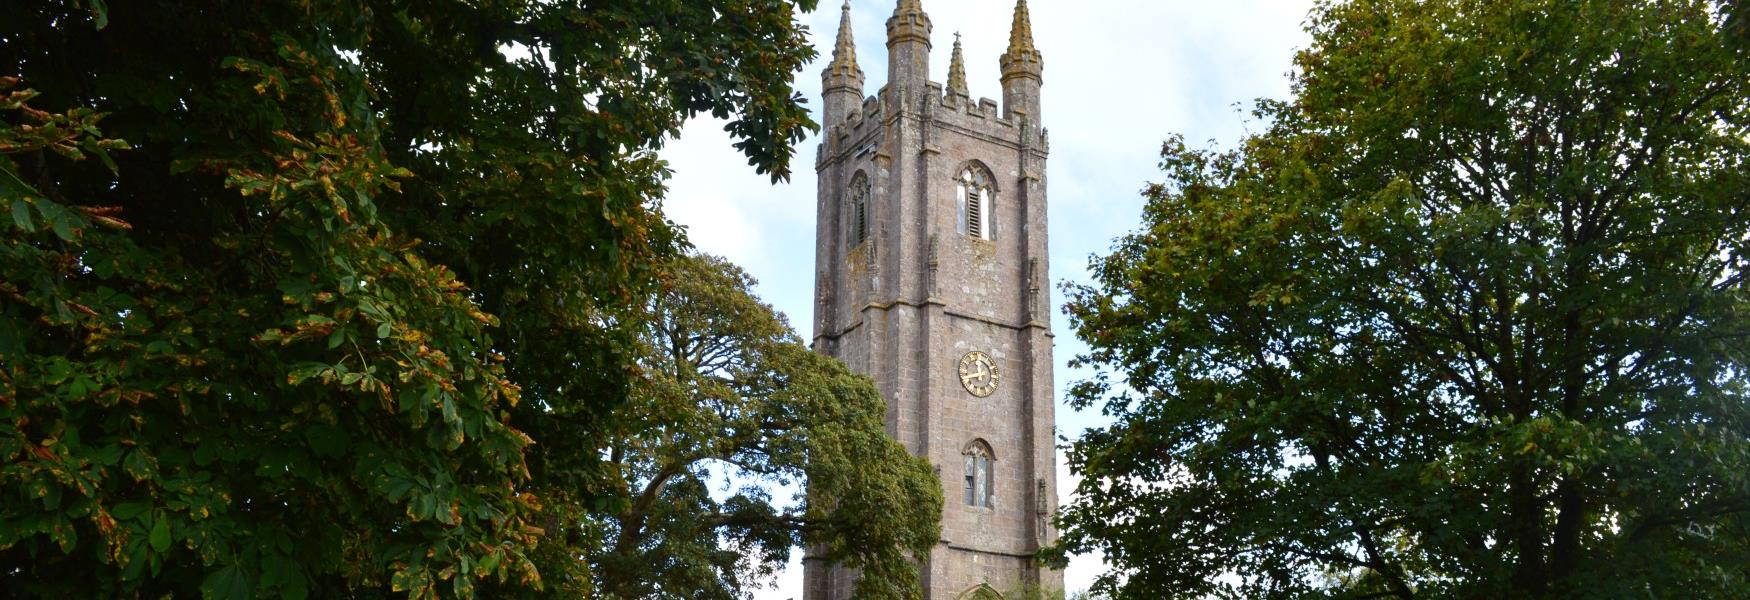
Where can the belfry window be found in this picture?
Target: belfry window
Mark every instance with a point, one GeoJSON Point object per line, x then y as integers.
{"type": "Point", "coordinates": [977, 201]}
{"type": "Point", "coordinates": [978, 474]}
{"type": "Point", "coordinates": [859, 214]}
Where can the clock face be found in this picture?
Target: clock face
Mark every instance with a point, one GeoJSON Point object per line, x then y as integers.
{"type": "Point", "coordinates": [979, 374]}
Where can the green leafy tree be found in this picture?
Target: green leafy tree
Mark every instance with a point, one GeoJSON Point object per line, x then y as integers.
{"type": "Point", "coordinates": [1469, 320]}
{"type": "Point", "coordinates": [730, 402]}
{"type": "Point", "coordinates": [342, 315]}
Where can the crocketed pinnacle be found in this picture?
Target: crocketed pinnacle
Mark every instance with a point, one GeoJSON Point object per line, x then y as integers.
{"type": "Point", "coordinates": [957, 72]}
{"type": "Point", "coordinates": [1022, 58]}
{"type": "Point", "coordinates": [843, 68]}
{"type": "Point", "coordinates": [1021, 33]}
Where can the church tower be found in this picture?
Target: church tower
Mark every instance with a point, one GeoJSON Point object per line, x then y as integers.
{"type": "Point", "coordinates": [931, 274]}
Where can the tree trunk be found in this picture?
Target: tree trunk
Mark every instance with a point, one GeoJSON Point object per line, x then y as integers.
{"type": "Point", "coordinates": [1530, 577]}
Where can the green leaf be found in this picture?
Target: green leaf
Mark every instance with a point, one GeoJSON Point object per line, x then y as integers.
{"type": "Point", "coordinates": [66, 535]}
{"type": "Point", "coordinates": [136, 560]}
{"type": "Point", "coordinates": [487, 564]}
{"type": "Point", "coordinates": [21, 215]}
{"type": "Point", "coordinates": [100, 12]}
{"type": "Point", "coordinates": [275, 568]}
{"type": "Point", "coordinates": [443, 514]}
{"type": "Point", "coordinates": [449, 411]}
{"type": "Point", "coordinates": [295, 587]}
{"type": "Point", "coordinates": [384, 330]}
{"type": "Point", "coordinates": [59, 219]}
{"type": "Point", "coordinates": [208, 451]}
{"type": "Point", "coordinates": [229, 583]}
{"type": "Point", "coordinates": [160, 536]}
{"type": "Point", "coordinates": [303, 371]}
{"type": "Point", "coordinates": [51, 496]}
{"type": "Point", "coordinates": [140, 465]}
{"type": "Point", "coordinates": [462, 586]}
{"type": "Point", "coordinates": [326, 440]}
{"type": "Point", "coordinates": [103, 156]}
{"type": "Point", "coordinates": [128, 510]}
{"type": "Point", "coordinates": [63, 227]}
{"type": "Point", "coordinates": [109, 455]}
{"type": "Point", "coordinates": [423, 507]}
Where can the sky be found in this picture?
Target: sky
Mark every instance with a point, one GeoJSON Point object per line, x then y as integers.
{"type": "Point", "coordinates": [1120, 77]}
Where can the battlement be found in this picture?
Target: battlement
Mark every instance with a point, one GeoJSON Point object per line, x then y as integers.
{"type": "Point", "coordinates": [860, 121]}
{"type": "Point", "coordinates": [1013, 120]}
{"type": "Point", "coordinates": [984, 117]}
{"type": "Point", "coordinates": [951, 107]}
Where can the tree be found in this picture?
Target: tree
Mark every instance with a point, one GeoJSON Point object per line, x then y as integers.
{"type": "Point", "coordinates": [329, 297]}
{"type": "Point", "coordinates": [1469, 319]}
{"type": "Point", "coordinates": [731, 401]}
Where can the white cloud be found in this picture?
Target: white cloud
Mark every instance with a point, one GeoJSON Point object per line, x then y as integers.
{"type": "Point", "coordinates": [729, 210]}
{"type": "Point", "coordinates": [1120, 76]}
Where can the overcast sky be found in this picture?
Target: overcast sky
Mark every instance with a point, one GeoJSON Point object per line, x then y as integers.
{"type": "Point", "coordinates": [1120, 76]}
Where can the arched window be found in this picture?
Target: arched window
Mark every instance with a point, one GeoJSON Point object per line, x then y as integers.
{"type": "Point", "coordinates": [859, 213]}
{"type": "Point", "coordinates": [978, 474]}
{"type": "Point", "coordinates": [982, 591]}
{"type": "Point", "coordinates": [977, 200]}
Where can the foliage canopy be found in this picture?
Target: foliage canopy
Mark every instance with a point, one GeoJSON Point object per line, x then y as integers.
{"type": "Point", "coordinates": [1469, 319]}
{"type": "Point", "coordinates": [349, 310]}
{"type": "Point", "coordinates": [731, 402]}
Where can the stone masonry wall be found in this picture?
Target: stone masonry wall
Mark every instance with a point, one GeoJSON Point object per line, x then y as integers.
{"type": "Point", "coordinates": [906, 304]}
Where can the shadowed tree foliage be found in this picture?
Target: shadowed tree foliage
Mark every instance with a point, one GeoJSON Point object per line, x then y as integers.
{"type": "Point", "coordinates": [730, 403]}
{"type": "Point", "coordinates": [345, 314]}
{"type": "Point", "coordinates": [1468, 320]}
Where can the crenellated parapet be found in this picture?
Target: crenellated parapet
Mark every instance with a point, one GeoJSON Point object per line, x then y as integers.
{"type": "Point", "coordinates": [854, 129]}
{"type": "Point", "coordinates": [909, 89]}
{"type": "Point", "coordinates": [966, 113]}
{"type": "Point", "coordinates": [985, 119]}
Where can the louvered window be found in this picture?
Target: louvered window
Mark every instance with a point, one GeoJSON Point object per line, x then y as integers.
{"type": "Point", "coordinates": [859, 208]}
{"type": "Point", "coordinates": [977, 203]}
{"type": "Point", "coordinates": [974, 213]}
{"type": "Point", "coordinates": [862, 221]}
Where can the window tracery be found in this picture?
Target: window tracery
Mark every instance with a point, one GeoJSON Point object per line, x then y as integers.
{"type": "Point", "coordinates": [977, 488]}
{"type": "Point", "coordinates": [977, 201]}
{"type": "Point", "coordinates": [859, 214]}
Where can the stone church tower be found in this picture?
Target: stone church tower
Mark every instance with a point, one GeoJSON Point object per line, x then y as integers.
{"type": "Point", "coordinates": [931, 275]}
